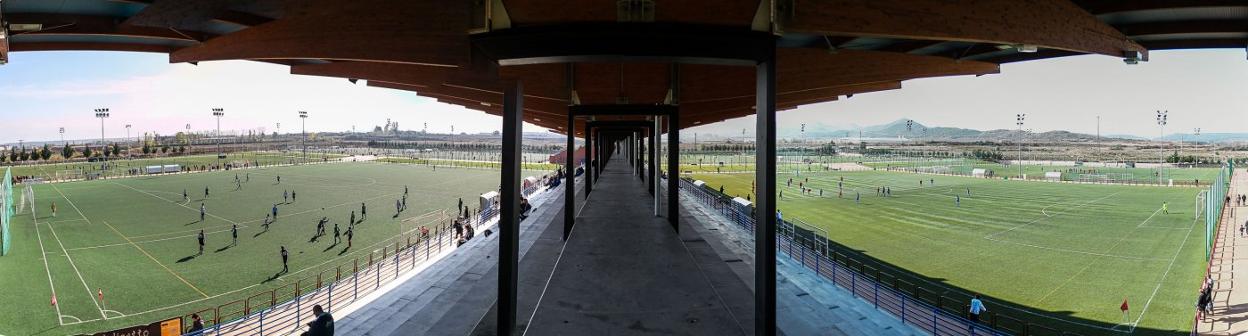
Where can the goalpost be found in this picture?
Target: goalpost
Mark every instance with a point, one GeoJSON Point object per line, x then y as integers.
{"type": "Point", "coordinates": [6, 210]}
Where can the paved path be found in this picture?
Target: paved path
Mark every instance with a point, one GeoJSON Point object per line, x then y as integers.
{"type": "Point", "coordinates": [1229, 271]}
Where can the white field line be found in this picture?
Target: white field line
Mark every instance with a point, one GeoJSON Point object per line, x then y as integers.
{"type": "Point", "coordinates": [210, 232]}
{"type": "Point", "coordinates": [149, 256]}
{"type": "Point", "coordinates": [181, 205]}
{"type": "Point", "coordinates": [368, 248]}
{"type": "Point", "coordinates": [989, 236]}
{"type": "Point", "coordinates": [1164, 275]}
{"type": "Point", "coordinates": [71, 259]}
{"type": "Point", "coordinates": [44, 255]}
{"type": "Point", "coordinates": [1121, 239]}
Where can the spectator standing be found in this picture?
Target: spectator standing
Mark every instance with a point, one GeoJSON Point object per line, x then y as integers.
{"type": "Point", "coordinates": [977, 307]}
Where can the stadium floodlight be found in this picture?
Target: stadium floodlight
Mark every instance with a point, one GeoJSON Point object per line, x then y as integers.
{"type": "Point", "coordinates": [303, 118]}
{"type": "Point", "coordinates": [102, 113]}
{"type": "Point", "coordinates": [1018, 120]}
{"type": "Point", "coordinates": [1162, 120]}
{"type": "Point", "coordinates": [218, 112]}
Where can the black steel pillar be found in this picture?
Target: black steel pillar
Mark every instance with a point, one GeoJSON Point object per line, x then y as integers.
{"type": "Point", "coordinates": [509, 220]}
{"type": "Point", "coordinates": [589, 160]}
{"type": "Point", "coordinates": [652, 169]}
{"type": "Point", "coordinates": [673, 170]}
{"type": "Point", "coordinates": [765, 201]}
{"type": "Point", "coordinates": [569, 188]}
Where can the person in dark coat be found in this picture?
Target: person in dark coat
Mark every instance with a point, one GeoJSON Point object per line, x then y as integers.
{"type": "Point", "coordinates": [323, 325]}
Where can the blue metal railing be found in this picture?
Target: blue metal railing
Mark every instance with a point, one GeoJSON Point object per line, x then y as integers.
{"type": "Point", "coordinates": [911, 309]}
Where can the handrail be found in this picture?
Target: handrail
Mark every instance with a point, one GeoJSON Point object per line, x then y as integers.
{"type": "Point", "coordinates": [866, 283]}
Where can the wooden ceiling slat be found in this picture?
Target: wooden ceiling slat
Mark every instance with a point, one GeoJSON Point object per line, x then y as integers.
{"type": "Point", "coordinates": [413, 32]}
{"type": "Point", "coordinates": [1057, 24]}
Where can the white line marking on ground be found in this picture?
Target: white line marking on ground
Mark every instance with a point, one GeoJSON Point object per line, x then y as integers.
{"type": "Point", "coordinates": [1164, 275]}
{"type": "Point", "coordinates": [59, 319]}
{"type": "Point", "coordinates": [71, 259]}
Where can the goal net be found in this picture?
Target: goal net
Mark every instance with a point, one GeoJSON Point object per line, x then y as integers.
{"type": "Point", "coordinates": [68, 175]}
{"type": "Point", "coordinates": [6, 210]}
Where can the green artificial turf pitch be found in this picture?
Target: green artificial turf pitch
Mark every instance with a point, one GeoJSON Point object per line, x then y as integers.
{"type": "Point", "coordinates": [1056, 254]}
{"type": "Point", "coordinates": [134, 238]}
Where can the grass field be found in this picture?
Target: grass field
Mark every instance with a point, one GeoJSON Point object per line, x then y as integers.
{"type": "Point", "coordinates": [135, 239]}
{"type": "Point", "coordinates": [1059, 255]}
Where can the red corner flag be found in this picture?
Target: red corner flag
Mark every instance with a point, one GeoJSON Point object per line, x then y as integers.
{"type": "Point", "coordinates": [53, 299]}
{"type": "Point", "coordinates": [100, 293]}
{"type": "Point", "coordinates": [1124, 306]}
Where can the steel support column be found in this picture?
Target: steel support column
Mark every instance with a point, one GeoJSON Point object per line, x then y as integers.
{"type": "Point", "coordinates": [673, 170]}
{"type": "Point", "coordinates": [765, 201]}
{"type": "Point", "coordinates": [654, 162]}
{"type": "Point", "coordinates": [589, 160]}
{"type": "Point", "coordinates": [651, 157]}
{"type": "Point", "coordinates": [569, 188]}
{"type": "Point", "coordinates": [509, 219]}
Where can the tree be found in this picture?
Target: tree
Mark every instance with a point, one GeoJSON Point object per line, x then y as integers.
{"type": "Point", "coordinates": [116, 149]}
{"type": "Point", "coordinates": [67, 152]}
{"type": "Point", "coordinates": [182, 149]}
{"type": "Point", "coordinates": [86, 151]}
{"type": "Point", "coordinates": [24, 155]}
{"type": "Point", "coordinates": [147, 149]}
{"type": "Point", "coordinates": [46, 153]}
{"type": "Point", "coordinates": [164, 149]}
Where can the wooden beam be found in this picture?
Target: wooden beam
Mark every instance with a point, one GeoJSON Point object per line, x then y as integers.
{"type": "Point", "coordinates": [410, 32]}
{"type": "Point", "coordinates": [92, 25]}
{"type": "Point", "coordinates": [1056, 24]}
{"type": "Point", "coordinates": [806, 69]}
{"type": "Point", "coordinates": [96, 46]}
{"type": "Point", "coordinates": [541, 81]}
{"type": "Point", "coordinates": [484, 100]}
{"type": "Point", "coordinates": [1185, 27]}
{"type": "Point", "coordinates": [1098, 7]}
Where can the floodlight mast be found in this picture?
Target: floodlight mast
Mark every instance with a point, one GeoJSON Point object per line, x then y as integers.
{"type": "Point", "coordinates": [303, 118]}
{"type": "Point", "coordinates": [1162, 120]}
{"type": "Point", "coordinates": [1019, 120]}
{"type": "Point", "coordinates": [218, 112]}
{"type": "Point", "coordinates": [102, 113]}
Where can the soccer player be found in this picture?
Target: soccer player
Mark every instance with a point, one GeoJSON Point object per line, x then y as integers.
{"type": "Point", "coordinates": [857, 197]}
{"type": "Point", "coordinates": [363, 211]}
{"type": "Point", "coordinates": [285, 196]}
{"type": "Point", "coordinates": [185, 197]}
{"type": "Point", "coordinates": [203, 210]}
{"type": "Point", "coordinates": [205, 191]}
{"type": "Point", "coordinates": [931, 182]}
{"type": "Point", "coordinates": [53, 209]}
{"type": "Point", "coordinates": [279, 179]}
{"type": "Point", "coordinates": [352, 218]}
{"type": "Point", "coordinates": [350, 234]}
{"type": "Point", "coordinates": [405, 191]}
{"type": "Point", "coordinates": [248, 177]}
{"type": "Point", "coordinates": [957, 201]}
{"type": "Point", "coordinates": [234, 233]}
{"type": "Point", "coordinates": [398, 206]}
{"type": "Point", "coordinates": [266, 221]}
{"type": "Point", "coordinates": [275, 212]}
{"type": "Point", "coordinates": [293, 197]}
{"type": "Point", "coordinates": [285, 256]}
{"type": "Point", "coordinates": [404, 201]}
{"type": "Point", "coordinates": [968, 191]}
{"type": "Point", "coordinates": [1165, 208]}
{"type": "Point", "coordinates": [336, 234]}
{"type": "Point", "coordinates": [320, 226]}
{"type": "Point", "coordinates": [201, 241]}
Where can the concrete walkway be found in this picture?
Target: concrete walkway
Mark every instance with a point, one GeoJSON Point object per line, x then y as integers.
{"type": "Point", "coordinates": [624, 271]}
{"type": "Point", "coordinates": [1229, 272]}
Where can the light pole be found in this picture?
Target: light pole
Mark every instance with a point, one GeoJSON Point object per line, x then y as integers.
{"type": "Point", "coordinates": [1162, 117]}
{"type": "Point", "coordinates": [102, 113]}
{"type": "Point", "coordinates": [62, 130]}
{"type": "Point", "coordinates": [218, 112]}
{"type": "Point", "coordinates": [127, 139]}
{"type": "Point", "coordinates": [1018, 120]}
{"type": "Point", "coordinates": [303, 118]}
{"type": "Point", "coordinates": [1196, 144]}
{"type": "Point", "coordinates": [188, 134]}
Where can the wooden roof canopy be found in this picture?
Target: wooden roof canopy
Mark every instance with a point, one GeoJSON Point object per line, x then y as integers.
{"type": "Point", "coordinates": [826, 49]}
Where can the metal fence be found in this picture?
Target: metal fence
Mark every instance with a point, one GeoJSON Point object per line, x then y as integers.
{"type": "Point", "coordinates": [928, 309]}
{"type": "Point", "coordinates": [285, 309]}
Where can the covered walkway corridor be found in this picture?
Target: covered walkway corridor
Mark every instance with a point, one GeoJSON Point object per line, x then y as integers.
{"type": "Point", "coordinates": [625, 270]}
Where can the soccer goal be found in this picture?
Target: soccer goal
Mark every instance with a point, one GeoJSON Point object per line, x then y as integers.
{"type": "Point", "coordinates": [6, 210]}
{"type": "Point", "coordinates": [68, 175]}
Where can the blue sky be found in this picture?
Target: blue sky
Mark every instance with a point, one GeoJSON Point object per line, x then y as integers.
{"type": "Point", "coordinates": [42, 91]}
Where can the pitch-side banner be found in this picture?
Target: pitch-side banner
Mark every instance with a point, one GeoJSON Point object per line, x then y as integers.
{"type": "Point", "coordinates": [170, 327]}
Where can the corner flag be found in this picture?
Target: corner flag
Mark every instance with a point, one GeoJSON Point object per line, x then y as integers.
{"type": "Point", "coordinates": [53, 299]}
{"type": "Point", "coordinates": [1124, 306]}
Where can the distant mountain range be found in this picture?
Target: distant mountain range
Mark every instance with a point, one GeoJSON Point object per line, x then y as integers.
{"type": "Point", "coordinates": [898, 129]}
